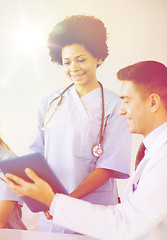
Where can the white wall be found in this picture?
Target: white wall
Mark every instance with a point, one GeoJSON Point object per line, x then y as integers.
{"type": "Point", "coordinates": [137, 31]}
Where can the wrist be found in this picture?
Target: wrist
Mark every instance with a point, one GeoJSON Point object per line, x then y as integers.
{"type": "Point", "coordinates": [50, 199]}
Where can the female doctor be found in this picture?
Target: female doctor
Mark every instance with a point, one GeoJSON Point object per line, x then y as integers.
{"type": "Point", "coordinates": [80, 132]}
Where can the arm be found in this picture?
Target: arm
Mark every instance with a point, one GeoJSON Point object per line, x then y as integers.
{"type": "Point", "coordinates": [138, 216]}
{"type": "Point", "coordinates": [116, 155]}
{"type": "Point", "coordinates": [143, 214]}
{"type": "Point", "coordinates": [6, 209]}
{"type": "Point", "coordinates": [41, 191]}
{"type": "Point", "coordinates": [117, 145]}
{"type": "Point", "coordinates": [93, 181]}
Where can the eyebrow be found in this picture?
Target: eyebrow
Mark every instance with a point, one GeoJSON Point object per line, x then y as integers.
{"type": "Point", "coordinates": [82, 55]}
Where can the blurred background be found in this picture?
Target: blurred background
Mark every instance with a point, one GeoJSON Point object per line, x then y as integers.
{"type": "Point", "coordinates": [137, 31]}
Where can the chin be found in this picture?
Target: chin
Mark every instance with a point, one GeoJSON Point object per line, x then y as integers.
{"type": "Point", "coordinates": [131, 130]}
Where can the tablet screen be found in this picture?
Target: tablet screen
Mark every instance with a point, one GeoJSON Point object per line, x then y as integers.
{"type": "Point", "coordinates": [36, 162]}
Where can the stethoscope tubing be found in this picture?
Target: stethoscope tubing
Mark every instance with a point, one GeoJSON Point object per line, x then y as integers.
{"type": "Point", "coordinates": [61, 96]}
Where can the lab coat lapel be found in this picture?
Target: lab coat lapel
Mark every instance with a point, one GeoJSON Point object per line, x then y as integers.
{"type": "Point", "coordinates": [135, 178]}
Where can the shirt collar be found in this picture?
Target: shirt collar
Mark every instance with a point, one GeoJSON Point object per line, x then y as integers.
{"type": "Point", "coordinates": [156, 138]}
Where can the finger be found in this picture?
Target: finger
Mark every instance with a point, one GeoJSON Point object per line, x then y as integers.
{"type": "Point", "coordinates": [17, 184]}
{"type": "Point", "coordinates": [15, 179]}
{"type": "Point", "coordinates": [32, 175]}
{"type": "Point", "coordinates": [3, 179]}
{"type": "Point", "coordinates": [14, 186]}
{"type": "Point", "coordinates": [10, 183]}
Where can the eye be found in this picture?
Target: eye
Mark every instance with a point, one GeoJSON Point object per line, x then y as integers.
{"type": "Point", "coordinates": [66, 63]}
{"type": "Point", "coordinates": [81, 60]}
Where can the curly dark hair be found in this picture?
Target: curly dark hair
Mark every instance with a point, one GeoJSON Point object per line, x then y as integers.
{"type": "Point", "coordinates": [80, 29]}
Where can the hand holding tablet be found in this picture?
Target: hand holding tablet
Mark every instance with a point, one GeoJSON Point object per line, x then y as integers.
{"type": "Point", "coordinates": [39, 166]}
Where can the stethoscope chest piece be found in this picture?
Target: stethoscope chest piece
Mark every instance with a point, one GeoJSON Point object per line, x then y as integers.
{"type": "Point", "coordinates": [97, 150]}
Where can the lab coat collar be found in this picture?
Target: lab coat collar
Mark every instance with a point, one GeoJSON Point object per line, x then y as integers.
{"type": "Point", "coordinates": [154, 140]}
{"type": "Point", "coordinates": [79, 104]}
{"type": "Point", "coordinates": [80, 101]}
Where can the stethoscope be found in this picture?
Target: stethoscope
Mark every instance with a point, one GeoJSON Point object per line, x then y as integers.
{"type": "Point", "coordinates": [97, 150]}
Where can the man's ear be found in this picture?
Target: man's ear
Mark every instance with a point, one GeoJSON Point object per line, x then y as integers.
{"type": "Point", "coordinates": [154, 100]}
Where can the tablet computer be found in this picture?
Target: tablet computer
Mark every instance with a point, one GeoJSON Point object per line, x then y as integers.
{"type": "Point", "coordinates": [36, 162]}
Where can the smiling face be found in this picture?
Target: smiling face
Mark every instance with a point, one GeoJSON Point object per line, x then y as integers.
{"type": "Point", "coordinates": [80, 67]}
{"type": "Point", "coordinates": [135, 108]}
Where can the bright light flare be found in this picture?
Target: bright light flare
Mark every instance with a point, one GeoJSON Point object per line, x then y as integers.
{"type": "Point", "coordinates": [29, 39]}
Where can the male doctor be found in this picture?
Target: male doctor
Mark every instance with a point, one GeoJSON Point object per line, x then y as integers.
{"type": "Point", "coordinates": [143, 211]}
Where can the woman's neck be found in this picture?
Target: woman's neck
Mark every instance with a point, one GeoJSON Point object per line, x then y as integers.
{"type": "Point", "coordinates": [82, 90]}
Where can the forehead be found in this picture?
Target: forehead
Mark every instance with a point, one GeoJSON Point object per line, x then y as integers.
{"type": "Point", "coordinates": [128, 89]}
{"type": "Point", "coordinates": [74, 50]}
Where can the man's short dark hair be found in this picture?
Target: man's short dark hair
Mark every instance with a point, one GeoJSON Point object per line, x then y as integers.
{"type": "Point", "coordinates": [149, 76]}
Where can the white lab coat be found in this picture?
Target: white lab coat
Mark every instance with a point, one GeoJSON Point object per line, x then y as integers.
{"type": "Point", "coordinates": [6, 193]}
{"type": "Point", "coordinates": [67, 141]}
{"type": "Point", "coordinates": [143, 213]}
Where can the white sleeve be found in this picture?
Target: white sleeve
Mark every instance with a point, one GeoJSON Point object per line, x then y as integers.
{"type": "Point", "coordinates": [141, 214]}
{"type": "Point", "coordinates": [7, 194]}
{"type": "Point", "coordinates": [116, 145]}
{"type": "Point", "coordinates": [37, 141]}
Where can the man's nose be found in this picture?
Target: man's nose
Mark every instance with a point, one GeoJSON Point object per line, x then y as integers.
{"type": "Point", "coordinates": [122, 110]}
